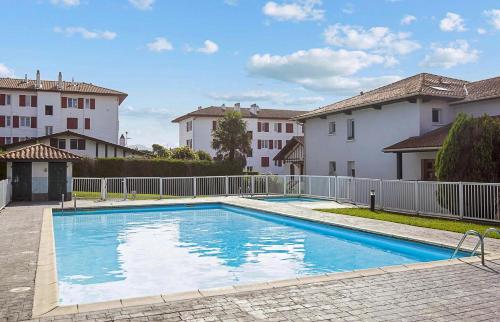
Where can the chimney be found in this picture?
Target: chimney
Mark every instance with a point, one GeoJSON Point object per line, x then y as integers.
{"type": "Point", "coordinates": [361, 93]}
{"type": "Point", "coordinates": [59, 81]}
{"type": "Point", "coordinates": [122, 140]}
{"type": "Point", "coordinates": [254, 109]}
{"type": "Point", "coordinates": [199, 107]}
{"type": "Point", "coordinates": [38, 81]}
{"type": "Point", "coordinates": [26, 78]}
{"type": "Point", "coordinates": [237, 107]}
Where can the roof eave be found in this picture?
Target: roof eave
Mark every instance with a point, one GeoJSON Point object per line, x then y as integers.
{"type": "Point", "coordinates": [409, 150]}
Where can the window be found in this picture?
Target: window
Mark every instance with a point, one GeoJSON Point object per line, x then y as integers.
{"type": "Point", "coordinates": [249, 169]}
{"type": "Point", "coordinates": [259, 127]}
{"type": "Point", "coordinates": [189, 143]}
{"type": "Point", "coordinates": [436, 115]}
{"type": "Point", "coordinates": [214, 125]}
{"type": "Point", "coordinates": [302, 128]}
{"type": "Point", "coordinates": [49, 110]}
{"type": "Point", "coordinates": [189, 126]}
{"type": "Point", "coordinates": [81, 145]}
{"type": "Point", "coordinates": [87, 123]}
{"type": "Point", "coordinates": [332, 168]}
{"type": "Point", "coordinates": [278, 144]}
{"type": "Point", "coordinates": [266, 126]}
{"type": "Point", "coordinates": [351, 169]}
{"type": "Point", "coordinates": [8, 140]}
{"type": "Point", "coordinates": [72, 123]}
{"type": "Point", "coordinates": [61, 144]}
{"type": "Point", "coordinates": [7, 102]}
{"type": "Point", "coordinates": [73, 144]}
{"type": "Point", "coordinates": [87, 103]}
{"type": "Point", "coordinates": [428, 171]}
{"type": "Point", "coordinates": [277, 127]}
{"type": "Point", "coordinates": [278, 163]}
{"type": "Point", "coordinates": [289, 127]}
{"type": "Point", "coordinates": [264, 162]}
{"type": "Point", "coordinates": [49, 130]}
{"type": "Point", "coordinates": [331, 128]}
{"type": "Point", "coordinates": [8, 121]}
{"type": "Point", "coordinates": [250, 153]}
{"type": "Point", "coordinates": [350, 129]}
{"type": "Point", "coordinates": [265, 144]}
{"type": "Point", "coordinates": [72, 102]}
{"type": "Point", "coordinates": [25, 121]}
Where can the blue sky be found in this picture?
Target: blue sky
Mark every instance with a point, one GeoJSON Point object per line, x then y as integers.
{"type": "Point", "coordinates": [172, 56]}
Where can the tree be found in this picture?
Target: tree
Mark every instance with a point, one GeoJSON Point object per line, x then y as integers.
{"type": "Point", "coordinates": [471, 151]}
{"type": "Point", "coordinates": [202, 155]}
{"type": "Point", "coordinates": [231, 139]}
{"type": "Point", "coordinates": [183, 153]}
{"type": "Point", "coordinates": [160, 151]}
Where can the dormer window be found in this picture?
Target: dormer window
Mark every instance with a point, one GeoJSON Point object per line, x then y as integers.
{"type": "Point", "coordinates": [436, 115]}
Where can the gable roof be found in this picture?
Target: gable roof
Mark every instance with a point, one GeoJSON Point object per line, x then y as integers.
{"type": "Point", "coordinates": [291, 144]}
{"type": "Point", "coordinates": [69, 133]}
{"type": "Point", "coordinates": [420, 85]}
{"type": "Point", "coordinates": [263, 113]}
{"type": "Point", "coordinates": [39, 152]}
{"type": "Point", "coordinates": [67, 87]}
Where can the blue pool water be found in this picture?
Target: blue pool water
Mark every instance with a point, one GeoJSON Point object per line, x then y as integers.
{"type": "Point", "coordinates": [290, 199]}
{"type": "Point", "coordinates": [121, 253]}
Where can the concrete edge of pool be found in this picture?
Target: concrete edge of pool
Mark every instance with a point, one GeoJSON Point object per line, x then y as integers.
{"type": "Point", "coordinates": [46, 295]}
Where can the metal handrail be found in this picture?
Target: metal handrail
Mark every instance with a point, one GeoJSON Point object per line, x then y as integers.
{"type": "Point", "coordinates": [486, 232]}
{"type": "Point", "coordinates": [480, 242]}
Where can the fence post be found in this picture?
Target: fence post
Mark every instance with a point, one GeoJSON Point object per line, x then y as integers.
{"type": "Point", "coordinates": [417, 198]}
{"type": "Point", "coordinates": [300, 184]}
{"type": "Point", "coordinates": [353, 195]}
{"type": "Point", "coordinates": [461, 199]}
{"type": "Point", "coordinates": [103, 189]}
{"type": "Point", "coordinates": [336, 188]}
{"type": "Point", "coordinates": [381, 194]}
{"type": "Point", "coordinates": [252, 180]}
{"type": "Point", "coordinates": [284, 185]}
{"type": "Point", "coordinates": [161, 187]}
{"type": "Point", "coordinates": [125, 188]}
{"type": "Point", "coordinates": [267, 184]}
{"type": "Point", "coordinates": [309, 185]}
{"type": "Point", "coordinates": [329, 187]}
{"type": "Point", "coordinates": [194, 187]}
{"type": "Point", "coordinates": [227, 186]}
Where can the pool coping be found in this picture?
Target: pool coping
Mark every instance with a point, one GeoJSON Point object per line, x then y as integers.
{"type": "Point", "coordinates": [45, 303]}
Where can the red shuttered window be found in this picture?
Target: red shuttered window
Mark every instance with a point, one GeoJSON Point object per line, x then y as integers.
{"type": "Point", "coordinates": [2, 140]}
{"type": "Point", "coordinates": [2, 121]}
{"type": "Point", "coordinates": [266, 127]}
{"type": "Point", "coordinates": [264, 161]}
{"type": "Point", "coordinates": [80, 103]}
{"type": "Point", "coordinates": [259, 144]}
{"type": "Point", "coordinates": [33, 122]}
{"type": "Point", "coordinates": [2, 99]}
{"type": "Point", "coordinates": [92, 103]}
{"type": "Point", "coordinates": [280, 144]}
{"type": "Point", "coordinates": [259, 127]}
{"type": "Point", "coordinates": [34, 101]}
{"type": "Point", "coordinates": [87, 123]}
{"type": "Point", "coordinates": [270, 144]}
{"type": "Point", "coordinates": [22, 100]}
{"type": "Point", "coordinates": [15, 121]}
{"type": "Point", "coordinates": [64, 102]}
{"type": "Point", "coordinates": [289, 127]}
{"type": "Point", "coordinates": [72, 123]}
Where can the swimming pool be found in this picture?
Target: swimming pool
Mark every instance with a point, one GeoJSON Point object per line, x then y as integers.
{"type": "Point", "coordinates": [289, 199]}
{"type": "Point", "coordinates": [118, 253]}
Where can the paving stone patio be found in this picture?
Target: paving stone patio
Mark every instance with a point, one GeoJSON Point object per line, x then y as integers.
{"type": "Point", "coordinates": [461, 292]}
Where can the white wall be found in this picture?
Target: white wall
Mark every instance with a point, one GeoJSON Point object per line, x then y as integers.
{"type": "Point", "coordinates": [412, 164]}
{"type": "Point", "coordinates": [476, 109]}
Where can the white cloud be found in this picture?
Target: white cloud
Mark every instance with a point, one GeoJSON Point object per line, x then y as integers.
{"type": "Point", "coordinates": [494, 17]}
{"type": "Point", "coordinates": [149, 111]}
{"type": "Point", "coordinates": [142, 4]}
{"type": "Point", "coordinates": [320, 69]}
{"type": "Point", "coordinates": [66, 3]}
{"type": "Point", "coordinates": [231, 2]}
{"type": "Point", "coordinates": [85, 33]}
{"type": "Point", "coordinates": [297, 10]}
{"type": "Point", "coordinates": [266, 96]}
{"type": "Point", "coordinates": [160, 44]}
{"type": "Point", "coordinates": [408, 20]}
{"type": "Point", "coordinates": [209, 48]}
{"type": "Point", "coordinates": [452, 22]}
{"type": "Point", "coordinates": [379, 39]}
{"type": "Point", "coordinates": [6, 71]}
{"type": "Point", "coordinates": [348, 9]}
{"type": "Point", "coordinates": [457, 53]}
{"type": "Point", "coordinates": [481, 31]}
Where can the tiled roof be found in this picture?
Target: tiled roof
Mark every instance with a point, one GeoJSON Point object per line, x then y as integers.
{"type": "Point", "coordinates": [51, 86]}
{"type": "Point", "coordinates": [296, 140]}
{"type": "Point", "coordinates": [263, 113]}
{"type": "Point", "coordinates": [39, 152]}
{"type": "Point", "coordinates": [419, 85]}
{"type": "Point", "coordinates": [481, 90]}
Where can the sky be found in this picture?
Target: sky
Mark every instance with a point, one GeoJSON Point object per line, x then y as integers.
{"type": "Point", "coordinates": [173, 56]}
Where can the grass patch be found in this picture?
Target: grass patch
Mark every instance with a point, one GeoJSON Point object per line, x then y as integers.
{"type": "Point", "coordinates": [412, 220]}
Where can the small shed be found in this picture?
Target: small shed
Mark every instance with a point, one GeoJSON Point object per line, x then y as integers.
{"type": "Point", "coordinates": [40, 172]}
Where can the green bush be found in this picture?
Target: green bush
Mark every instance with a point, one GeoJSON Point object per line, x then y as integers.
{"type": "Point", "coordinates": [202, 155]}
{"type": "Point", "coordinates": [118, 167]}
{"type": "Point", "coordinates": [183, 153]}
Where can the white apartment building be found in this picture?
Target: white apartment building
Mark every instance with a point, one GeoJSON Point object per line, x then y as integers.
{"type": "Point", "coordinates": [392, 132]}
{"type": "Point", "coordinates": [270, 130]}
{"type": "Point", "coordinates": [34, 108]}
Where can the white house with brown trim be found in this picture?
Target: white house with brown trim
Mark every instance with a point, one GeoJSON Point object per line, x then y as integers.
{"type": "Point", "coordinates": [392, 132]}
{"type": "Point", "coordinates": [34, 108]}
{"type": "Point", "coordinates": [271, 129]}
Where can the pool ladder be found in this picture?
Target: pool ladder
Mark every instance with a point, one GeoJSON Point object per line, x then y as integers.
{"type": "Point", "coordinates": [480, 241]}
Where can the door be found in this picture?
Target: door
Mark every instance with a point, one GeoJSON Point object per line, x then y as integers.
{"type": "Point", "coordinates": [428, 171]}
{"type": "Point", "coordinates": [57, 181]}
{"type": "Point", "coordinates": [292, 169]}
{"type": "Point", "coordinates": [21, 181]}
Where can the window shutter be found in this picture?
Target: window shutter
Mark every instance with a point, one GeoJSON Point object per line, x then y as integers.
{"type": "Point", "coordinates": [266, 127]}
{"type": "Point", "coordinates": [2, 121]}
{"type": "Point", "coordinates": [2, 99]}
{"type": "Point", "coordinates": [54, 143]}
{"type": "Point", "coordinates": [15, 139]}
{"type": "Point", "coordinates": [270, 144]}
{"type": "Point", "coordinates": [259, 127]}
{"type": "Point", "coordinates": [34, 101]}
{"type": "Point", "coordinates": [2, 140]}
{"type": "Point", "coordinates": [22, 100]}
{"type": "Point", "coordinates": [280, 144]}
{"type": "Point", "coordinates": [279, 127]}
{"type": "Point", "coordinates": [15, 121]}
{"type": "Point", "coordinates": [259, 144]}
{"type": "Point", "coordinates": [87, 123]}
{"type": "Point", "coordinates": [33, 122]}
{"type": "Point", "coordinates": [64, 102]}
{"type": "Point", "coordinates": [80, 103]}
{"type": "Point", "coordinates": [92, 103]}
{"type": "Point", "coordinates": [214, 125]}
{"type": "Point", "coordinates": [72, 123]}
{"type": "Point", "coordinates": [289, 128]}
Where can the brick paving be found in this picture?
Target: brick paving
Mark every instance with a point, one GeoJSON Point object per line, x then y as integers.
{"type": "Point", "coordinates": [462, 292]}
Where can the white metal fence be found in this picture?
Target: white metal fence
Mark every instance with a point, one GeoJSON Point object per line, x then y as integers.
{"type": "Point", "coordinates": [5, 193]}
{"type": "Point", "coordinates": [479, 201]}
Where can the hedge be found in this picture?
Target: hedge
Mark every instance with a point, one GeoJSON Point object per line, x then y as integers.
{"type": "Point", "coordinates": [119, 167]}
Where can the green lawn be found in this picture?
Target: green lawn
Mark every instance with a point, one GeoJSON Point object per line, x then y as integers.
{"type": "Point", "coordinates": [441, 224]}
